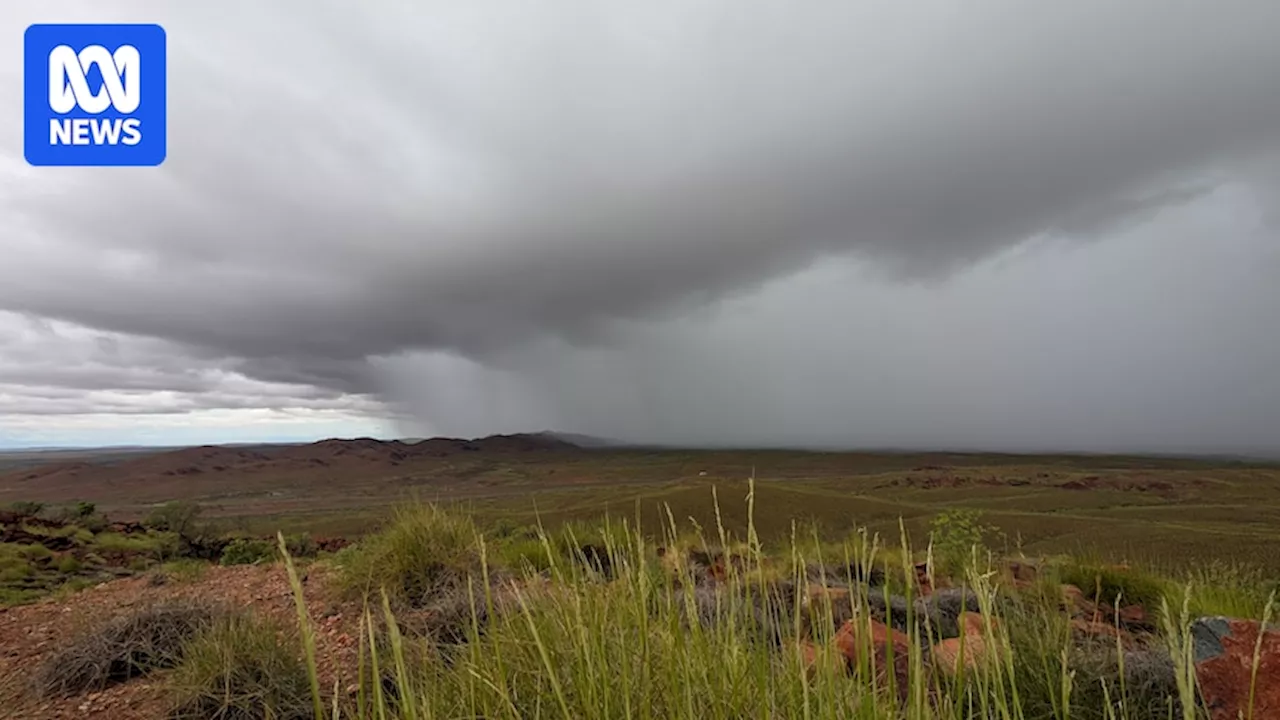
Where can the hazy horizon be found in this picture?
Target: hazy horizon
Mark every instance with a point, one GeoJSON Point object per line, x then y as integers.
{"type": "Point", "coordinates": [1261, 455]}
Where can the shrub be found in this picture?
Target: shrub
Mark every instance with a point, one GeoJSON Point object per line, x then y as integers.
{"type": "Point", "coordinates": [242, 668]}
{"type": "Point", "coordinates": [11, 597]}
{"type": "Point", "coordinates": [155, 547]}
{"type": "Point", "coordinates": [68, 564]}
{"type": "Point", "coordinates": [244, 551]}
{"type": "Point", "coordinates": [177, 516]}
{"type": "Point", "coordinates": [125, 647]}
{"type": "Point", "coordinates": [85, 509]}
{"type": "Point", "coordinates": [955, 533]}
{"type": "Point", "coordinates": [34, 553]}
{"type": "Point", "coordinates": [26, 507]}
{"type": "Point", "coordinates": [16, 573]}
{"type": "Point", "coordinates": [93, 522]}
{"type": "Point", "coordinates": [301, 545]}
{"type": "Point", "coordinates": [424, 552]}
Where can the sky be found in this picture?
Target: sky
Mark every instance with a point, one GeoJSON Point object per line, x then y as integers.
{"type": "Point", "coordinates": [986, 224]}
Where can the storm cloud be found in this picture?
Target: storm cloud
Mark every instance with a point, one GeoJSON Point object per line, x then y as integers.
{"type": "Point", "coordinates": [984, 223]}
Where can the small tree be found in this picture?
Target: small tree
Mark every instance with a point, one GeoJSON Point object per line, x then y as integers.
{"type": "Point", "coordinates": [955, 533]}
{"type": "Point", "coordinates": [177, 517]}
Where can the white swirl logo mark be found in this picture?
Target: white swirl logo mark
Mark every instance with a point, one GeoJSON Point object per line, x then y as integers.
{"type": "Point", "coordinates": [69, 86]}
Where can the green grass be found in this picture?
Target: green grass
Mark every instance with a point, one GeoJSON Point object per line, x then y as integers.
{"type": "Point", "coordinates": [244, 551]}
{"type": "Point", "coordinates": [184, 569]}
{"type": "Point", "coordinates": [153, 545]}
{"type": "Point", "coordinates": [241, 667]}
{"type": "Point", "coordinates": [563, 644]}
{"type": "Point", "coordinates": [423, 552]}
{"type": "Point", "coordinates": [31, 571]}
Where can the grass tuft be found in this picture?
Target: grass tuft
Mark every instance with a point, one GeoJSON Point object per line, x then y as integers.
{"type": "Point", "coordinates": [242, 668]}
{"type": "Point", "coordinates": [423, 554]}
{"type": "Point", "coordinates": [124, 648]}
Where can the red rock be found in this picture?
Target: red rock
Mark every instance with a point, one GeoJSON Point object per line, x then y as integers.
{"type": "Point", "coordinates": [971, 649]}
{"type": "Point", "coordinates": [1075, 602]}
{"type": "Point", "coordinates": [1133, 615]}
{"type": "Point", "coordinates": [1097, 629]}
{"type": "Point", "coordinates": [852, 641]}
{"type": "Point", "coordinates": [1224, 658]}
{"type": "Point", "coordinates": [968, 651]}
{"type": "Point", "coordinates": [817, 595]}
{"type": "Point", "coordinates": [972, 623]}
{"type": "Point", "coordinates": [811, 655]}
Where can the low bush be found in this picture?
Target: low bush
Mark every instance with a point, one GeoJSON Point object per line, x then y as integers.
{"type": "Point", "coordinates": [152, 546]}
{"type": "Point", "coordinates": [956, 534]}
{"type": "Point", "coordinates": [27, 508]}
{"type": "Point", "coordinates": [300, 545]}
{"type": "Point", "coordinates": [177, 517]}
{"type": "Point", "coordinates": [74, 513]}
{"type": "Point", "coordinates": [126, 647]}
{"type": "Point", "coordinates": [243, 551]}
{"type": "Point", "coordinates": [241, 668]}
{"type": "Point", "coordinates": [68, 564]}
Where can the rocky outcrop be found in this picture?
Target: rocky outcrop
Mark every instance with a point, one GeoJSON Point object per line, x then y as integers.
{"type": "Point", "coordinates": [1228, 673]}
{"type": "Point", "coordinates": [1092, 620]}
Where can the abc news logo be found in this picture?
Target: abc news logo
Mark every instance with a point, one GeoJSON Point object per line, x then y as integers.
{"type": "Point", "coordinates": [69, 89]}
{"type": "Point", "coordinates": [95, 95]}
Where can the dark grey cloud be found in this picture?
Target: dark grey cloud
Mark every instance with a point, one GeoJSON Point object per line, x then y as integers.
{"type": "Point", "coordinates": [1155, 340]}
{"type": "Point", "coordinates": [386, 181]}
{"type": "Point", "coordinates": [54, 368]}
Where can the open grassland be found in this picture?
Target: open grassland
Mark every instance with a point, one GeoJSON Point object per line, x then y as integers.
{"type": "Point", "coordinates": [1167, 512]}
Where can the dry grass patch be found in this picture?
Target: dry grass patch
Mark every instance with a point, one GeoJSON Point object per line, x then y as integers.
{"type": "Point", "coordinates": [125, 647]}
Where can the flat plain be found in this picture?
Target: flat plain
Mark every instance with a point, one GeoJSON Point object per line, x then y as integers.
{"type": "Point", "coordinates": [1165, 512]}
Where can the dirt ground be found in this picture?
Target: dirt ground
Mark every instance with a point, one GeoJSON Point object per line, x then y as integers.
{"type": "Point", "coordinates": [29, 633]}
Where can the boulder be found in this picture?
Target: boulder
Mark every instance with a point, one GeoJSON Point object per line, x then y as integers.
{"type": "Point", "coordinates": [1095, 630]}
{"type": "Point", "coordinates": [811, 656]}
{"type": "Point", "coordinates": [1135, 617]}
{"type": "Point", "coordinates": [1224, 660]}
{"type": "Point", "coordinates": [844, 574]}
{"type": "Point", "coordinates": [970, 650]}
{"type": "Point", "coordinates": [818, 600]}
{"type": "Point", "coordinates": [865, 642]}
{"type": "Point", "coordinates": [943, 608]}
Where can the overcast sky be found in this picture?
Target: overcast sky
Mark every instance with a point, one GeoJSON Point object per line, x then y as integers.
{"type": "Point", "coordinates": [979, 224]}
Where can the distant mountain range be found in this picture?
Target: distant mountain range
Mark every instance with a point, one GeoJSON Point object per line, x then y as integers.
{"type": "Point", "coordinates": [577, 439]}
